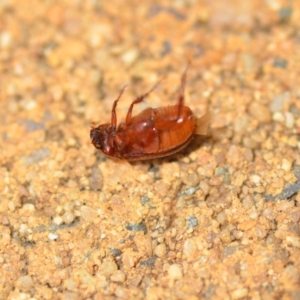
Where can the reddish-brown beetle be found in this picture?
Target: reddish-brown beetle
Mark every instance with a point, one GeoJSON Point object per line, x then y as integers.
{"type": "Point", "coordinates": [154, 132]}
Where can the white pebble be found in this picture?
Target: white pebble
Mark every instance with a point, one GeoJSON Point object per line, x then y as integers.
{"type": "Point", "coordinates": [286, 165]}
{"type": "Point", "coordinates": [5, 39]}
{"type": "Point", "coordinates": [175, 271]}
{"type": "Point", "coordinates": [68, 217]}
{"type": "Point", "coordinates": [239, 293]}
{"type": "Point", "coordinates": [23, 228]}
{"type": "Point", "coordinates": [256, 179]}
{"type": "Point", "coordinates": [130, 56]}
{"type": "Point", "coordinates": [30, 104]}
{"type": "Point", "coordinates": [28, 207]}
{"type": "Point", "coordinates": [278, 116]}
{"type": "Point", "coordinates": [52, 236]}
{"type": "Point", "coordinates": [57, 220]}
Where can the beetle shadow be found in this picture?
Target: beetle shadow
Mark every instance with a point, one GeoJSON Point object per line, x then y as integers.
{"type": "Point", "coordinates": [196, 143]}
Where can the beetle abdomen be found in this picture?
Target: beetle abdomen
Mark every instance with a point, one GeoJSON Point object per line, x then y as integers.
{"type": "Point", "coordinates": [173, 131]}
{"type": "Point", "coordinates": [154, 132]}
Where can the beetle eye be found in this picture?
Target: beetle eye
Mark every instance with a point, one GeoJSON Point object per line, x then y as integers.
{"type": "Point", "coordinates": [96, 137]}
{"type": "Point", "coordinates": [93, 134]}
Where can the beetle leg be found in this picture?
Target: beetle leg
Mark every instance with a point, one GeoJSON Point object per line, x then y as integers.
{"type": "Point", "coordinates": [113, 111]}
{"type": "Point", "coordinates": [138, 100]}
{"type": "Point", "coordinates": [181, 92]}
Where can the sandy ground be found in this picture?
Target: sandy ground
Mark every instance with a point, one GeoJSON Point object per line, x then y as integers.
{"type": "Point", "coordinates": [219, 220]}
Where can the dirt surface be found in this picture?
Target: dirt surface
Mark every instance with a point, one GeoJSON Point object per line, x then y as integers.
{"type": "Point", "coordinates": [219, 220]}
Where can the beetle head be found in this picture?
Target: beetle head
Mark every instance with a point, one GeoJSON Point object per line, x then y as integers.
{"type": "Point", "coordinates": [101, 136]}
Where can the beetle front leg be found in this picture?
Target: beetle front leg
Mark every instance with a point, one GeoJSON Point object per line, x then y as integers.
{"type": "Point", "coordinates": [113, 111]}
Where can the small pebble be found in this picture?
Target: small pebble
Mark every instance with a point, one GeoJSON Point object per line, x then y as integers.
{"type": "Point", "coordinates": [86, 277]}
{"type": "Point", "coordinates": [238, 234]}
{"type": "Point", "coordinates": [24, 283]}
{"type": "Point", "coordinates": [96, 179]}
{"type": "Point", "coordinates": [260, 112]}
{"type": "Point", "coordinates": [137, 227]}
{"type": "Point", "coordinates": [278, 116]}
{"type": "Point", "coordinates": [205, 187]}
{"type": "Point", "coordinates": [68, 295]}
{"type": "Point", "coordinates": [36, 156]}
{"type": "Point", "coordinates": [121, 292]}
{"type": "Point", "coordinates": [5, 39]}
{"type": "Point", "coordinates": [69, 206]}
{"type": "Point", "coordinates": [269, 214]}
{"type": "Point", "coordinates": [52, 236]}
{"type": "Point", "coordinates": [175, 271]}
{"type": "Point", "coordinates": [248, 142]}
{"type": "Point", "coordinates": [278, 61]}
{"type": "Point", "coordinates": [238, 179]}
{"type": "Point", "coordinates": [289, 120]}
{"type": "Point", "coordinates": [115, 252]}
{"type": "Point", "coordinates": [68, 217]}
{"type": "Point", "coordinates": [226, 236]}
{"type": "Point", "coordinates": [58, 220]}
{"type": "Point", "coordinates": [256, 179]}
{"type": "Point", "coordinates": [29, 207]}
{"type": "Point", "coordinates": [160, 250]}
{"type": "Point", "coordinates": [118, 276]}
{"type": "Point", "coordinates": [239, 293]}
{"type": "Point", "coordinates": [191, 179]}
{"type": "Point", "coordinates": [136, 280]}
{"type": "Point", "coordinates": [278, 101]}
{"type": "Point", "coordinates": [261, 233]}
{"type": "Point", "coordinates": [248, 202]}
{"type": "Point", "coordinates": [221, 217]}
{"type": "Point", "coordinates": [286, 165]}
{"type": "Point", "coordinates": [87, 213]}
{"type": "Point", "coordinates": [192, 222]}
{"type": "Point", "coordinates": [130, 56]}
{"type": "Point", "coordinates": [109, 268]}
{"type": "Point", "coordinates": [293, 240]}
{"type": "Point", "coordinates": [189, 247]}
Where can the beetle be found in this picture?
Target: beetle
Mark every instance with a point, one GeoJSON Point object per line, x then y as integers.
{"type": "Point", "coordinates": [153, 133]}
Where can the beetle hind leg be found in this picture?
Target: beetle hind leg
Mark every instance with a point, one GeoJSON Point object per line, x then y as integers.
{"type": "Point", "coordinates": [181, 92]}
